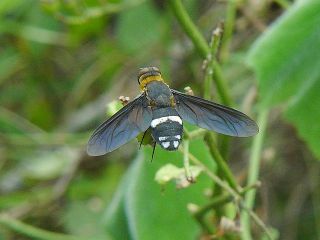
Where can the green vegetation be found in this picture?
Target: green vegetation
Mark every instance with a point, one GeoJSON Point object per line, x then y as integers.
{"type": "Point", "coordinates": [63, 62]}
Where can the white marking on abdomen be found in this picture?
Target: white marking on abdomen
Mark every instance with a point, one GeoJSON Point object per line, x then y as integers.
{"type": "Point", "coordinates": [175, 144]}
{"type": "Point", "coordinates": [165, 144]}
{"type": "Point", "coordinates": [163, 138]}
{"type": "Point", "coordinates": [177, 136]}
{"type": "Point", "coordinates": [157, 121]}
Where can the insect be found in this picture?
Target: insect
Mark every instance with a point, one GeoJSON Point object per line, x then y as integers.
{"type": "Point", "coordinates": [163, 110]}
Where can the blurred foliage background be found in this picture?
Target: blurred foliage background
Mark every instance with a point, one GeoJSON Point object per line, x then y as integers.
{"type": "Point", "coordinates": [62, 62]}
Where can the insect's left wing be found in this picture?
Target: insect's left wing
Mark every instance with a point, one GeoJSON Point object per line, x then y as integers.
{"type": "Point", "coordinates": [126, 124]}
{"type": "Point", "coordinates": [213, 116]}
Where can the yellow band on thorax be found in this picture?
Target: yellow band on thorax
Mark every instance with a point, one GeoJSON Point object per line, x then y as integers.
{"type": "Point", "coordinates": [145, 81]}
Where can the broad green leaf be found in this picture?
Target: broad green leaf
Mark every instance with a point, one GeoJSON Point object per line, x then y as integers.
{"type": "Point", "coordinates": [286, 60]}
{"type": "Point", "coordinates": [142, 208]}
{"type": "Point", "coordinates": [153, 211]}
{"type": "Point", "coordinates": [305, 114]}
{"type": "Point", "coordinates": [115, 220]}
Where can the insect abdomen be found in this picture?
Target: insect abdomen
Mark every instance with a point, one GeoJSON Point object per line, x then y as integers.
{"type": "Point", "coordinates": [167, 128]}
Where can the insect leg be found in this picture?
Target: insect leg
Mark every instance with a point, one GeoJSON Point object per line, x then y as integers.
{"type": "Point", "coordinates": [154, 148]}
{"type": "Point", "coordinates": [142, 138]}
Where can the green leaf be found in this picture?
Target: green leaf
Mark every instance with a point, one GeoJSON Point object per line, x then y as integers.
{"type": "Point", "coordinates": [153, 211]}
{"type": "Point", "coordinates": [115, 220]}
{"type": "Point", "coordinates": [305, 115]}
{"type": "Point", "coordinates": [286, 60]}
{"type": "Point", "coordinates": [142, 208]}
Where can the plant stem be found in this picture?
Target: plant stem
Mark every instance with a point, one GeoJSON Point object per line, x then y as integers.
{"type": "Point", "coordinates": [221, 85]}
{"type": "Point", "coordinates": [31, 231]}
{"type": "Point", "coordinates": [203, 49]}
{"type": "Point", "coordinates": [223, 167]}
{"type": "Point", "coordinates": [254, 166]}
{"type": "Point", "coordinates": [215, 202]}
{"type": "Point", "coordinates": [228, 29]}
{"type": "Point", "coordinates": [197, 133]}
{"type": "Point", "coordinates": [215, 178]}
{"type": "Point", "coordinates": [186, 163]}
{"type": "Point", "coordinates": [236, 196]}
{"type": "Point", "coordinates": [189, 27]}
{"type": "Point", "coordinates": [214, 45]}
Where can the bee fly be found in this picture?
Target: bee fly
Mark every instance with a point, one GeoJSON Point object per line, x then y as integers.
{"type": "Point", "coordinates": [163, 109]}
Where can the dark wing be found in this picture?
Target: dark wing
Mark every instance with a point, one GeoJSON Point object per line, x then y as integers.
{"type": "Point", "coordinates": [123, 126]}
{"type": "Point", "coordinates": [213, 116]}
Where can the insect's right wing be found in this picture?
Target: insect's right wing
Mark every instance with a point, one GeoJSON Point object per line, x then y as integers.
{"type": "Point", "coordinates": [126, 124]}
{"type": "Point", "coordinates": [213, 116]}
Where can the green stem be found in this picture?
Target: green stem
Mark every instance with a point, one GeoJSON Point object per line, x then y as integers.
{"type": "Point", "coordinates": [237, 197]}
{"type": "Point", "coordinates": [189, 27]}
{"type": "Point", "coordinates": [228, 29]}
{"type": "Point", "coordinates": [31, 231]}
{"type": "Point", "coordinates": [186, 163]}
{"type": "Point", "coordinates": [221, 85]}
{"type": "Point", "coordinates": [202, 47]}
{"type": "Point", "coordinates": [215, 202]}
{"type": "Point", "coordinates": [214, 45]}
{"type": "Point", "coordinates": [215, 178]}
{"type": "Point", "coordinates": [223, 167]}
{"type": "Point", "coordinates": [254, 166]}
{"type": "Point", "coordinates": [197, 133]}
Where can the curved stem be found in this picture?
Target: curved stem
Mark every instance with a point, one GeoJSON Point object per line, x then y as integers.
{"type": "Point", "coordinates": [31, 231]}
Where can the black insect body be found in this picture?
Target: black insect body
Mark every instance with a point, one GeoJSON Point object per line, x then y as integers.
{"type": "Point", "coordinates": [162, 109]}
